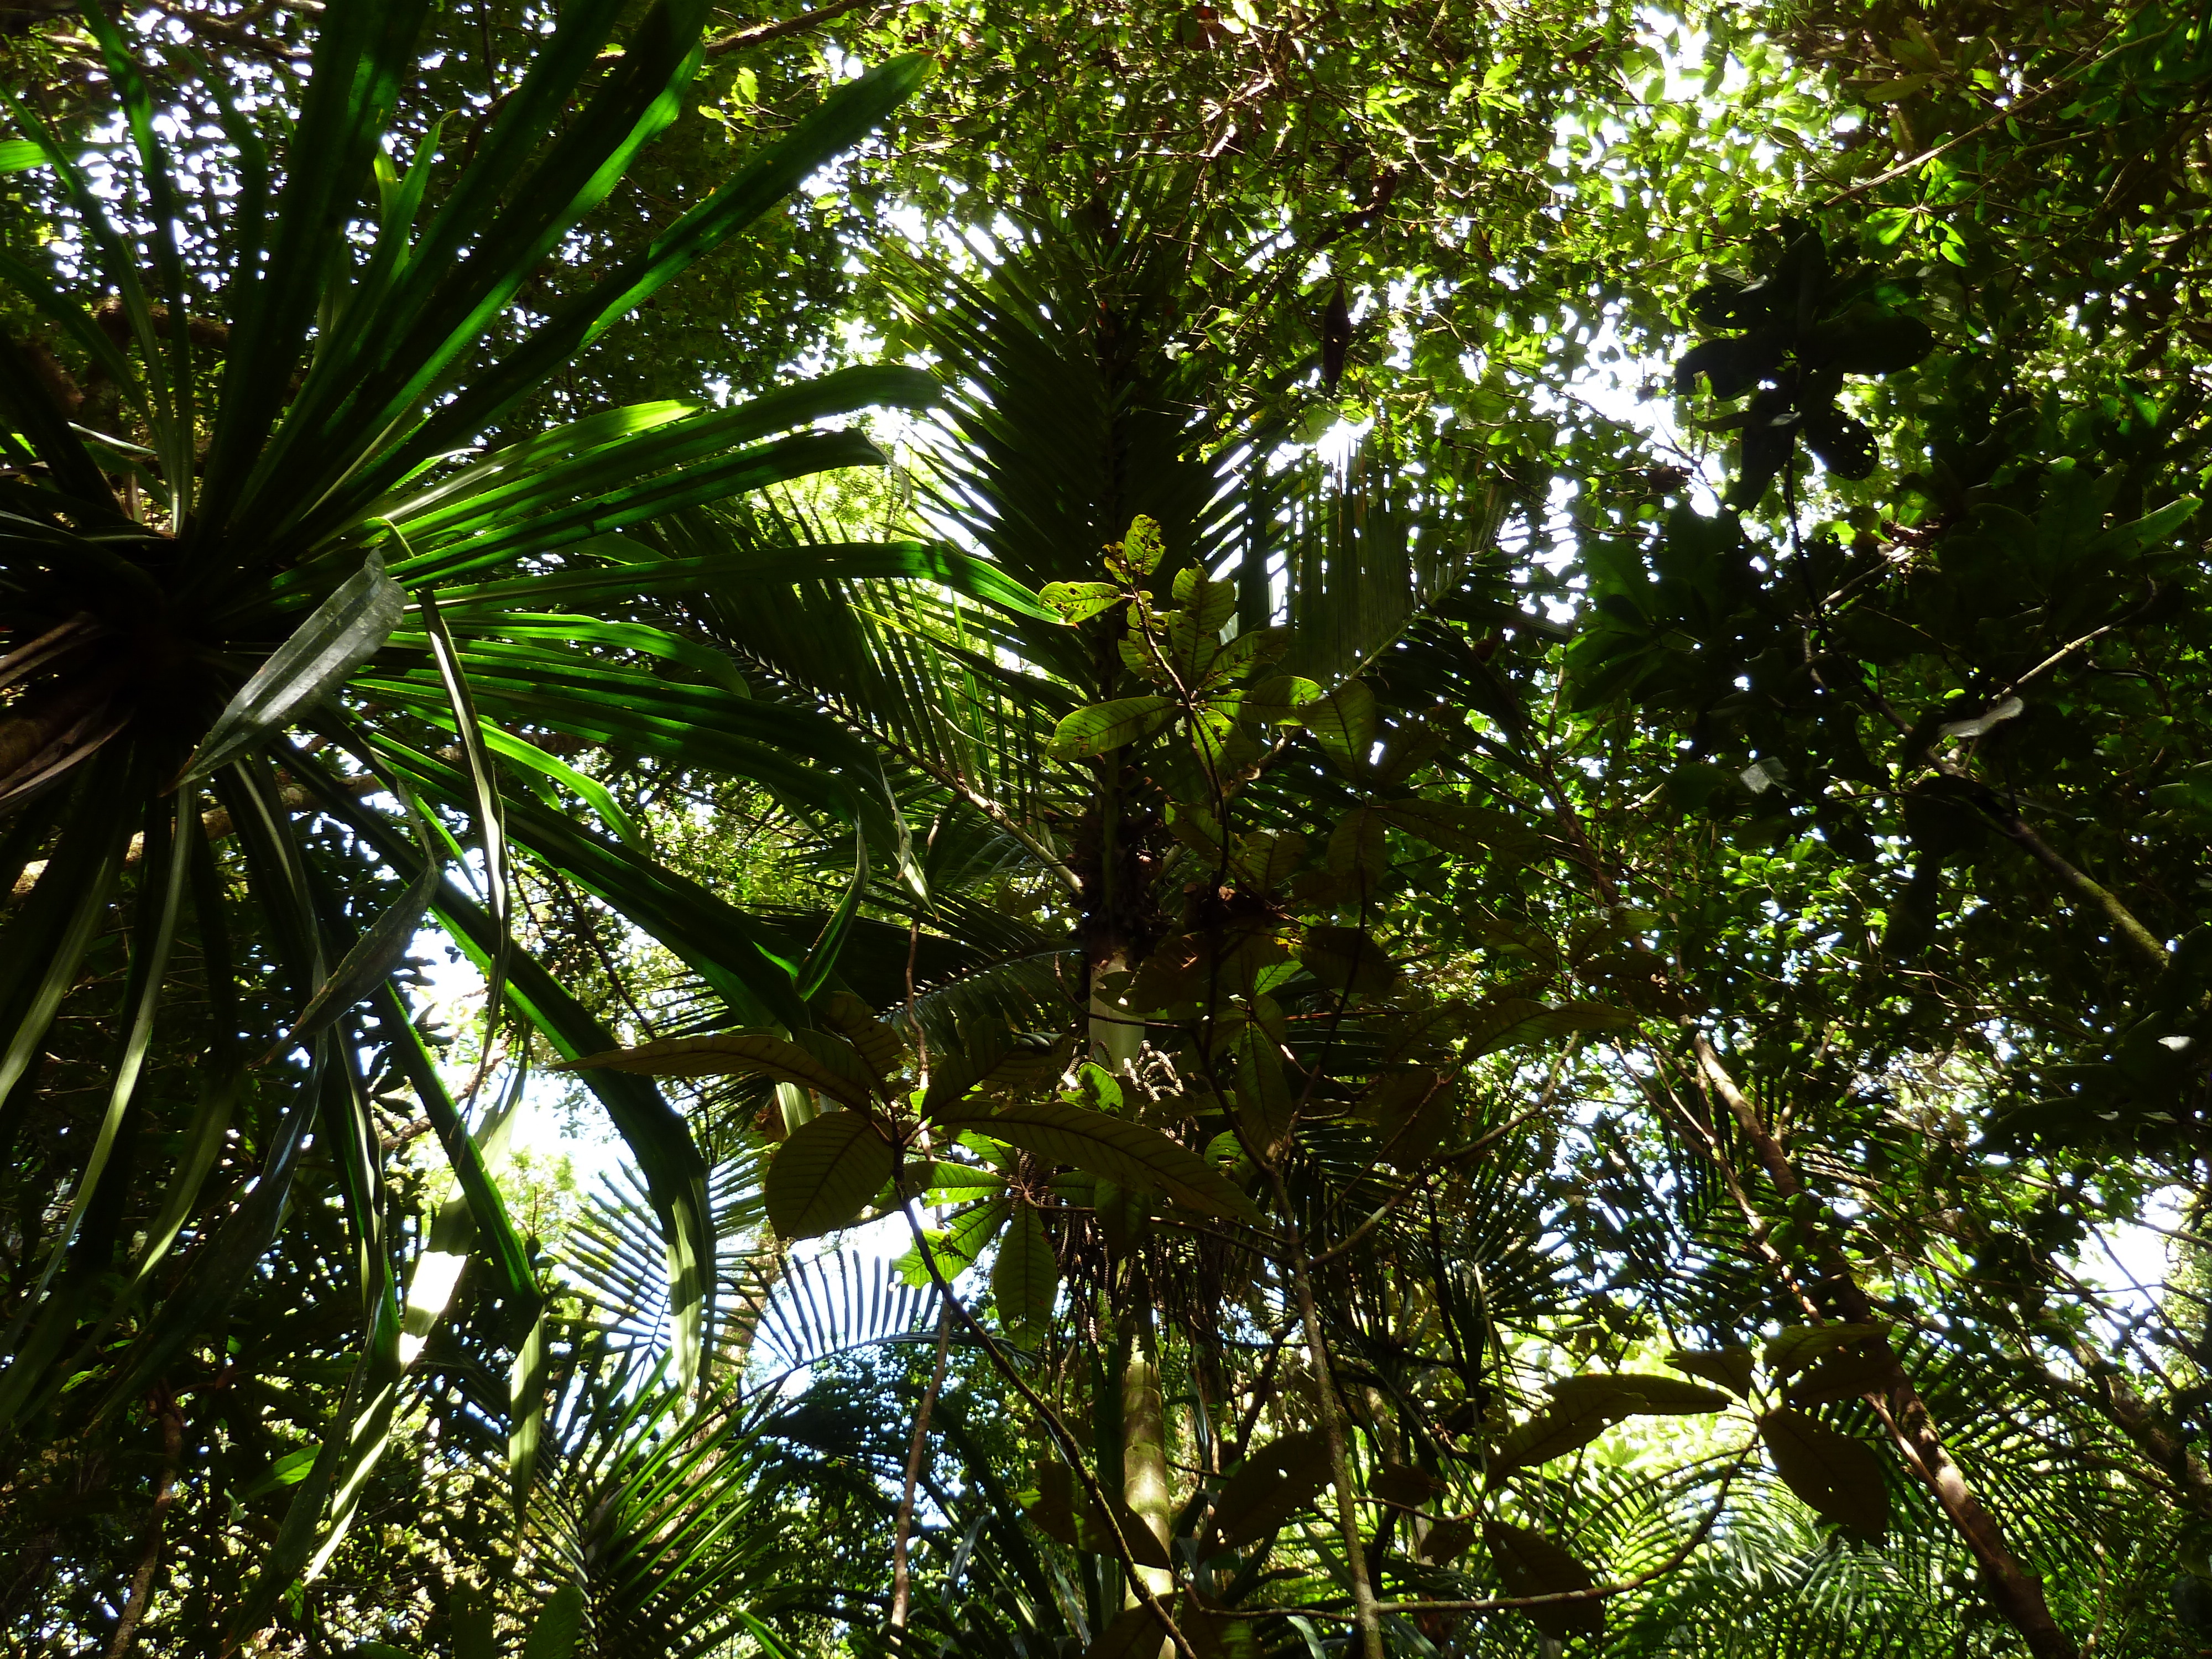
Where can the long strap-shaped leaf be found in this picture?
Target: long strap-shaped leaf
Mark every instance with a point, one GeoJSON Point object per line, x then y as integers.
{"type": "Point", "coordinates": [345, 630]}
{"type": "Point", "coordinates": [842, 118]}
{"type": "Point", "coordinates": [962, 572]}
{"type": "Point", "coordinates": [174, 430]}
{"type": "Point", "coordinates": [748, 966]}
{"type": "Point", "coordinates": [462, 506]}
{"type": "Point", "coordinates": [363, 54]}
{"type": "Point", "coordinates": [491, 816]}
{"type": "Point", "coordinates": [169, 834]}
{"type": "Point", "coordinates": [676, 1174]}
{"type": "Point", "coordinates": [227, 1256]}
{"type": "Point", "coordinates": [44, 944]}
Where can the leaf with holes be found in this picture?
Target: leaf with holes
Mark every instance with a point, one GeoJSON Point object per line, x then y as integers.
{"type": "Point", "coordinates": [1846, 1374]}
{"type": "Point", "coordinates": [1799, 1346]}
{"type": "Point", "coordinates": [1273, 1483]}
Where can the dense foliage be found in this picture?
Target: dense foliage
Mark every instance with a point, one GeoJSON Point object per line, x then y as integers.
{"type": "Point", "coordinates": [1440, 892]}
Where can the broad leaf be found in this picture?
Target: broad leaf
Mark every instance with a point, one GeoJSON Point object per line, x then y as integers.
{"type": "Point", "coordinates": [1347, 959]}
{"type": "Point", "coordinates": [1655, 1396]}
{"type": "Point", "coordinates": [825, 1173]}
{"type": "Point", "coordinates": [1530, 1563]}
{"type": "Point", "coordinates": [1846, 1375]}
{"type": "Point", "coordinates": [1113, 1149]}
{"type": "Point", "coordinates": [737, 1054]}
{"type": "Point", "coordinates": [1799, 1346]}
{"type": "Point", "coordinates": [1025, 1279]}
{"type": "Point", "coordinates": [1103, 728]}
{"type": "Point", "coordinates": [1132, 1633]}
{"type": "Point", "coordinates": [1729, 1367]}
{"type": "Point", "coordinates": [1064, 1511]}
{"type": "Point", "coordinates": [1839, 1478]}
{"type": "Point", "coordinates": [1573, 1422]}
{"type": "Point", "coordinates": [1510, 1022]}
{"type": "Point", "coordinates": [1273, 1483]}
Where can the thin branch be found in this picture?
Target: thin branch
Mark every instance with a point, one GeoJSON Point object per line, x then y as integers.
{"type": "Point", "coordinates": [759, 34]}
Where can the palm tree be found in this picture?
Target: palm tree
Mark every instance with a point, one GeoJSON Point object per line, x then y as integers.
{"type": "Point", "coordinates": [292, 530]}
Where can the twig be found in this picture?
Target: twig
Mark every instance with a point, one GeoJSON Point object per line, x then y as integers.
{"type": "Point", "coordinates": [1062, 1440]}
{"type": "Point", "coordinates": [901, 1581]}
{"type": "Point", "coordinates": [761, 34]}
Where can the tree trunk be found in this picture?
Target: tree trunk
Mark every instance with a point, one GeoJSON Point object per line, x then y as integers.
{"type": "Point", "coordinates": [2013, 1588]}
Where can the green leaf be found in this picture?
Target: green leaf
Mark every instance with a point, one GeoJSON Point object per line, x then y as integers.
{"type": "Point", "coordinates": [1347, 959]}
{"type": "Point", "coordinates": [1511, 1022]}
{"type": "Point", "coordinates": [1106, 727]}
{"type": "Point", "coordinates": [287, 1471]}
{"type": "Point", "coordinates": [880, 1048]}
{"type": "Point", "coordinates": [1272, 1484]}
{"type": "Point", "coordinates": [1342, 721]}
{"type": "Point", "coordinates": [1654, 1396]}
{"type": "Point", "coordinates": [1573, 1422]}
{"type": "Point", "coordinates": [1075, 602]}
{"type": "Point", "coordinates": [1799, 1346]}
{"type": "Point", "coordinates": [1840, 1479]}
{"type": "Point", "coordinates": [1448, 1540]}
{"type": "Point", "coordinates": [1846, 1374]}
{"type": "Point", "coordinates": [1729, 1367]}
{"type": "Point", "coordinates": [1278, 700]}
{"type": "Point", "coordinates": [1064, 1510]}
{"type": "Point", "coordinates": [737, 1054]}
{"type": "Point", "coordinates": [1114, 1149]}
{"type": "Point", "coordinates": [825, 1173]}
{"type": "Point", "coordinates": [559, 1625]}
{"type": "Point", "coordinates": [1468, 831]}
{"type": "Point", "coordinates": [1132, 1633]}
{"type": "Point", "coordinates": [1530, 1563]}
{"type": "Point", "coordinates": [472, 1613]}
{"type": "Point", "coordinates": [2155, 528]}
{"type": "Point", "coordinates": [1215, 1632]}
{"type": "Point", "coordinates": [18, 154]}
{"type": "Point", "coordinates": [1025, 1279]}
{"type": "Point", "coordinates": [368, 964]}
{"type": "Point", "coordinates": [346, 629]}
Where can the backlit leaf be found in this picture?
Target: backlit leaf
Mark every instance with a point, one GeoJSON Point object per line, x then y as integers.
{"type": "Point", "coordinates": [825, 1173]}
{"type": "Point", "coordinates": [1839, 1478]}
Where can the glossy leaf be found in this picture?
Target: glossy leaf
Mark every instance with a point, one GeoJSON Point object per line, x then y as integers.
{"type": "Point", "coordinates": [344, 631]}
